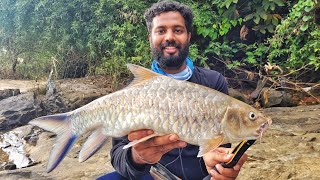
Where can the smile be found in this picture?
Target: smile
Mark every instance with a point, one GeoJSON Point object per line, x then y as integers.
{"type": "Point", "coordinates": [170, 50]}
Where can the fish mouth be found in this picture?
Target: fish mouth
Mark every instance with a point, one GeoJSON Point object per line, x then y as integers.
{"type": "Point", "coordinates": [263, 127]}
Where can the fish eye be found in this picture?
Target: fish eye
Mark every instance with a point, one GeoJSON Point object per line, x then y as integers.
{"type": "Point", "coordinates": [252, 116]}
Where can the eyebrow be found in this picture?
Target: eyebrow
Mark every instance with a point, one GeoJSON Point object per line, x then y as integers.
{"type": "Point", "coordinates": [175, 26]}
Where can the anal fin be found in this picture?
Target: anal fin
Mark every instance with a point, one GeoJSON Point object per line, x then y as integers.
{"type": "Point", "coordinates": [94, 142]}
{"type": "Point", "coordinates": [139, 141]}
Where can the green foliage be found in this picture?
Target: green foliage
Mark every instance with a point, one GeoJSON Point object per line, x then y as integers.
{"type": "Point", "coordinates": [18, 37]}
{"type": "Point", "coordinates": [264, 14]}
{"type": "Point", "coordinates": [212, 23]}
{"type": "Point", "coordinates": [101, 36]}
{"type": "Point", "coordinates": [221, 22]}
{"type": "Point", "coordinates": [297, 39]}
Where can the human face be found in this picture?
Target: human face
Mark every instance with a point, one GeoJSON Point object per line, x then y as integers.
{"type": "Point", "coordinates": [169, 40]}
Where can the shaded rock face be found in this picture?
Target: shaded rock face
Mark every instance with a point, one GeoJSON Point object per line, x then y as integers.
{"type": "Point", "coordinates": [8, 93]}
{"type": "Point", "coordinates": [18, 110]}
{"type": "Point", "coordinates": [53, 104]}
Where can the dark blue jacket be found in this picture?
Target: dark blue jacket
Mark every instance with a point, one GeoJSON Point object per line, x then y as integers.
{"type": "Point", "coordinates": [182, 162]}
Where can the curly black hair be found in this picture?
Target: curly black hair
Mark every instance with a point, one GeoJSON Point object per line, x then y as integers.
{"type": "Point", "coordinates": [167, 6]}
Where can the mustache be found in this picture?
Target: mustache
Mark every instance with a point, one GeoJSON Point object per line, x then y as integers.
{"type": "Point", "coordinates": [170, 44]}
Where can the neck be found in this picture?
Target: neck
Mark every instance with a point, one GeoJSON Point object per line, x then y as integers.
{"type": "Point", "coordinates": [170, 70]}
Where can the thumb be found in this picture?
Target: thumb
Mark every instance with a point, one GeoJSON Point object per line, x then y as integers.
{"type": "Point", "coordinates": [214, 157]}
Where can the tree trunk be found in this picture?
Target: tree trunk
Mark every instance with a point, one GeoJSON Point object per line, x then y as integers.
{"type": "Point", "coordinates": [14, 64]}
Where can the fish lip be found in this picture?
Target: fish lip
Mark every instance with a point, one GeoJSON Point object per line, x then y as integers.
{"type": "Point", "coordinates": [264, 126]}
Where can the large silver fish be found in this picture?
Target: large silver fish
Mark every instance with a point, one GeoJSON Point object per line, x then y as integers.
{"type": "Point", "coordinates": [198, 115]}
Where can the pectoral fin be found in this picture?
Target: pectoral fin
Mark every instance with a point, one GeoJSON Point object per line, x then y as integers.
{"type": "Point", "coordinates": [210, 144]}
{"type": "Point", "coordinates": [139, 141]}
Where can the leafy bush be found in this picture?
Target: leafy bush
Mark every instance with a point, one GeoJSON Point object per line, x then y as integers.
{"type": "Point", "coordinates": [296, 42]}
{"type": "Point", "coordinates": [101, 36]}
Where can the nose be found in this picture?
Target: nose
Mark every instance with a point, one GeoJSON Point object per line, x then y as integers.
{"type": "Point", "coordinates": [169, 36]}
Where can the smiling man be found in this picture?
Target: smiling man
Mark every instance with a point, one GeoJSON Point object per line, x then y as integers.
{"type": "Point", "coordinates": [169, 41]}
{"type": "Point", "coordinates": [169, 25]}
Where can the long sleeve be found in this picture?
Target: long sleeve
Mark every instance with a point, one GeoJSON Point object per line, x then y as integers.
{"type": "Point", "coordinates": [122, 161]}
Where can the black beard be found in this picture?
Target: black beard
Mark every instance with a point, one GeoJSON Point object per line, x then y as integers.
{"type": "Point", "coordinates": [172, 62]}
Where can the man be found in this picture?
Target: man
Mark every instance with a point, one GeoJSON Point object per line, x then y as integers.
{"type": "Point", "coordinates": [169, 25]}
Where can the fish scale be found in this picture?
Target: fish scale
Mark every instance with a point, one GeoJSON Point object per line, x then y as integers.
{"type": "Point", "coordinates": [198, 115]}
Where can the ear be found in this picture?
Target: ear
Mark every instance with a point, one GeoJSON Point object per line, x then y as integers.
{"type": "Point", "coordinates": [149, 37]}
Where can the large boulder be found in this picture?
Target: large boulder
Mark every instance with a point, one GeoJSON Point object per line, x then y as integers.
{"type": "Point", "coordinates": [18, 110]}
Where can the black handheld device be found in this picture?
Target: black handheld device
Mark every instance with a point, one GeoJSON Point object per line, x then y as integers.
{"type": "Point", "coordinates": [238, 152]}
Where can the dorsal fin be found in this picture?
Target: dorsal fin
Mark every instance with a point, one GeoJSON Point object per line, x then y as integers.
{"type": "Point", "coordinates": [140, 73]}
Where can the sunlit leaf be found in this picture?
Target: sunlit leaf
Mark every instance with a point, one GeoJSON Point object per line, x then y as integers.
{"type": "Point", "coordinates": [304, 27]}
{"type": "Point", "coordinates": [308, 9]}
{"type": "Point", "coordinates": [306, 18]}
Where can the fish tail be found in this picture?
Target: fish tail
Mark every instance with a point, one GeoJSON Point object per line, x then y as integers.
{"type": "Point", "coordinates": [61, 125]}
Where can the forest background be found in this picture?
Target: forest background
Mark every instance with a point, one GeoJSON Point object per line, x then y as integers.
{"type": "Point", "coordinates": [278, 39]}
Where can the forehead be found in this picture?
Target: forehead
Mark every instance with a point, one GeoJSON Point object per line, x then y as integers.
{"type": "Point", "coordinates": [168, 19]}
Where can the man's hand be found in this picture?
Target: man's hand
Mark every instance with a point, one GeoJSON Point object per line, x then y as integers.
{"type": "Point", "coordinates": [219, 155]}
{"type": "Point", "coordinates": [151, 151]}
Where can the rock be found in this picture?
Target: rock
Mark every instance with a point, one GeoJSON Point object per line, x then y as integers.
{"type": "Point", "coordinates": [69, 168]}
{"type": "Point", "coordinates": [8, 93]}
{"type": "Point", "coordinates": [271, 98]}
{"type": "Point", "coordinates": [260, 85]}
{"type": "Point", "coordinates": [10, 166]}
{"type": "Point", "coordinates": [53, 104]}
{"type": "Point", "coordinates": [4, 158]}
{"type": "Point", "coordinates": [13, 144]}
{"type": "Point", "coordinates": [18, 110]}
{"type": "Point", "coordinates": [238, 95]}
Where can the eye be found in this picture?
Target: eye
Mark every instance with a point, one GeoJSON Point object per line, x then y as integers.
{"type": "Point", "coordinates": [160, 31]}
{"type": "Point", "coordinates": [252, 116]}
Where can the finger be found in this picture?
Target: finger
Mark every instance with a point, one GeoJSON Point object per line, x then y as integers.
{"type": "Point", "coordinates": [240, 163]}
{"type": "Point", "coordinates": [243, 159]}
{"type": "Point", "coordinates": [168, 147]}
{"type": "Point", "coordinates": [224, 150]}
{"type": "Point", "coordinates": [225, 173]}
{"type": "Point", "coordinates": [154, 153]}
{"type": "Point", "coordinates": [160, 147]}
{"type": "Point", "coordinates": [135, 135]}
{"type": "Point", "coordinates": [143, 157]}
{"type": "Point", "coordinates": [162, 140]}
